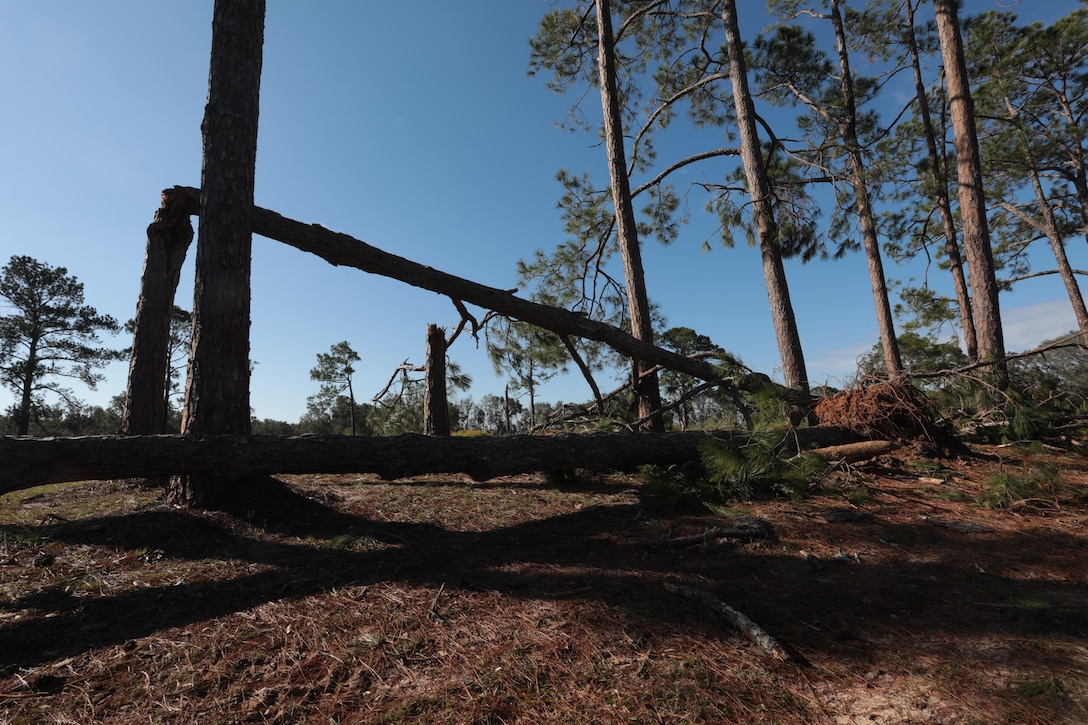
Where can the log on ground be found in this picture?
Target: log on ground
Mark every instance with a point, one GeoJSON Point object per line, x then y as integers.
{"type": "Point", "coordinates": [29, 462]}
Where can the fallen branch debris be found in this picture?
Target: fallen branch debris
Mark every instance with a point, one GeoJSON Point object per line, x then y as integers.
{"type": "Point", "coordinates": [744, 528]}
{"type": "Point", "coordinates": [749, 629]}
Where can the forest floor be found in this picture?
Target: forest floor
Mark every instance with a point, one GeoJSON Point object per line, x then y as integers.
{"type": "Point", "coordinates": [902, 591]}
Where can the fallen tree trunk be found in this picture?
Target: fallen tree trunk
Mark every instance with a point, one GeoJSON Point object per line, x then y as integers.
{"type": "Point", "coordinates": [341, 249]}
{"type": "Point", "coordinates": [31, 462]}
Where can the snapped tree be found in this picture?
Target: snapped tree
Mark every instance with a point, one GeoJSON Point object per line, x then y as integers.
{"type": "Point", "coordinates": [51, 335]}
{"type": "Point", "coordinates": [176, 350]}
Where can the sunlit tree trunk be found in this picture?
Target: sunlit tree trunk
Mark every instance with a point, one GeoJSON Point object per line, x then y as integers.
{"type": "Point", "coordinates": [1057, 245]}
{"type": "Point", "coordinates": [976, 234]}
{"type": "Point", "coordinates": [938, 172]}
{"type": "Point", "coordinates": [645, 382]}
{"type": "Point", "coordinates": [893, 361]}
{"type": "Point", "coordinates": [755, 170]}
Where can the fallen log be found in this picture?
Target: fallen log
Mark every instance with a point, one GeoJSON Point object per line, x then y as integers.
{"type": "Point", "coordinates": [857, 452]}
{"type": "Point", "coordinates": [31, 462]}
{"type": "Point", "coordinates": [340, 249]}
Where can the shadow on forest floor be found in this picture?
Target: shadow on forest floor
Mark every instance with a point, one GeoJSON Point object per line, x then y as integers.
{"type": "Point", "coordinates": [896, 587]}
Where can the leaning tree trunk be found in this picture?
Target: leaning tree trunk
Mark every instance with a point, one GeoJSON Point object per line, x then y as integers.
{"type": "Point", "coordinates": [341, 249]}
{"type": "Point", "coordinates": [436, 415]}
{"type": "Point", "coordinates": [1057, 245]}
{"type": "Point", "coordinates": [217, 389]}
{"type": "Point", "coordinates": [938, 177]}
{"type": "Point", "coordinates": [759, 186]}
{"type": "Point", "coordinates": [168, 239]}
{"type": "Point", "coordinates": [644, 380]}
{"type": "Point", "coordinates": [893, 361]}
{"type": "Point", "coordinates": [976, 233]}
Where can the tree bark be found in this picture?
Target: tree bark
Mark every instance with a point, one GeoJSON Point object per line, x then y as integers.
{"type": "Point", "coordinates": [217, 388]}
{"type": "Point", "coordinates": [30, 462]}
{"type": "Point", "coordinates": [976, 233]}
{"type": "Point", "coordinates": [168, 240]}
{"type": "Point", "coordinates": [645, 382]}
{"type": "Point", "coordinates": [755, 171]}
{"type": "Point", "coordinates": [893, 361]}
{"type": "Point", "coordinates": [436, 417]}
{"type": "Point", "coordinates": [1057, 245]}
{"type": "Point", "coordinates": [341, 249]}
{"type": "Point", "coordinates": [938, 172]}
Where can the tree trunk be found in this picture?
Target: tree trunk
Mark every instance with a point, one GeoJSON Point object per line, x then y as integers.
{"type": "Point", "coordinates": [26, 395]}
{"type": "Point", "coordinates": [436, 417]}
{"type": "Point", "coordinates": [168, 239]}
{"type": "Point", "coordinates": [755, 171]}
{"type": "Point", "coordinates": [645, 382]}
{"type": "Point", "coordinates": [976, 233]}
{"type": "Point", "coordinates": [938, 172]}
{"type": "Point", "coordinates": [217, 389]}
{"type": "Point", "coordinates": [30, 462]}
{"type": "Point", "coordinates": [893, 361]}
{"type": "Point", "coordinates": [1057, 245]}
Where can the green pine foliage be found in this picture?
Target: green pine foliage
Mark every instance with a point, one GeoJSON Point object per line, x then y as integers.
{"type": "Point", "coordinates": [727, 472]}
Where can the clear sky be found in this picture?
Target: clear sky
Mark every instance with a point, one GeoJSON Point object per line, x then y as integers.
{"type": "Point", "coordinates": [411, 126]}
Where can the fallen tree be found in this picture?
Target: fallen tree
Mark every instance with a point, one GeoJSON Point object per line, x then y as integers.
{"type": "Point", "coordinates": [32, 462]}
{"type": "Point", "coordinates": [343, 250]}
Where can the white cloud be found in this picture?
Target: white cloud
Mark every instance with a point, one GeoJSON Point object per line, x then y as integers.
{"type": "Point", "coordinates": [1026, 327]}
{"type": "Point", "coordinates": [835, 366]}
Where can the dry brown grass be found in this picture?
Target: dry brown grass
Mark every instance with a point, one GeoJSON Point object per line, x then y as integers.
{"type": "Point", "coordinates": [516, 601]}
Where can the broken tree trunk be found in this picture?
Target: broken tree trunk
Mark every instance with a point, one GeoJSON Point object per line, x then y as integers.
{"type": "Point", "coordinates": [32, 462]}
{"type": "Point", "coordinates": [341, 249]}
{"type": "Point", "coordinates": [436, 414]}
{"type": "Point", "coordinates": [168, 239]}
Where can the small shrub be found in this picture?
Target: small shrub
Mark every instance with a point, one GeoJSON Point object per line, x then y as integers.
{"type": "Point", "coordinates": [727, 472]}
{"type": "Point", "coordinates": [1006, 487]}
{"type": "Point", "coordinates": [757, 470]}
{"type": "Point", "coordinates": [569, 477]}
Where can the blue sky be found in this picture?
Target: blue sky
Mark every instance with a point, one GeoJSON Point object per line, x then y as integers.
{"type": "Point", "coordinates": [411, 126]}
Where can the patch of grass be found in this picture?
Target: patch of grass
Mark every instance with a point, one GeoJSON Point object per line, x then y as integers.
{"type": "Point", "coordinates": [927, 467]}
{"type": "Point", "coordinates": [1050, 688]}
{"type": "Point", "coordinates": [859, 495]}
{"type": "Point", "coordinates": [946, 493]}
{"type": "Point", "coordinates": [569, 477]}
{"type": "Point", "coordinates": [1007, 487]}
{"type": "Point", "coordinates": [350, 542]}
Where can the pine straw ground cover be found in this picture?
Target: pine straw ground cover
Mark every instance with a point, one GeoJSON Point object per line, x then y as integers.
{"type": "Point", "coordinates": [899, 596]}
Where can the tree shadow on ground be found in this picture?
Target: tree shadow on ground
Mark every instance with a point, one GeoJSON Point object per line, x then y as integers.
{"type": "Point", "coordinates": [601, 552]}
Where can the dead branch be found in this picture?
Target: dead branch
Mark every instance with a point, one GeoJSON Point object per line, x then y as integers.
{"type": "Point", "coordinates": [744, 528]}
{"type": "Point", "coordinates": [1063, 342]}
{"type": "Point", "coordinates": [586, 372]}
{"type": "Point", "coordinates": [749, 629]}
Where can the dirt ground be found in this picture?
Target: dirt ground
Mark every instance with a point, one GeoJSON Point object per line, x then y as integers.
{"type": "Point", "coordinates": [903, 591]}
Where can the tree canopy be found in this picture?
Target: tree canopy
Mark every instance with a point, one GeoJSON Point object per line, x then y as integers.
{"type": "Point", "coordinates": [50, 336]}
